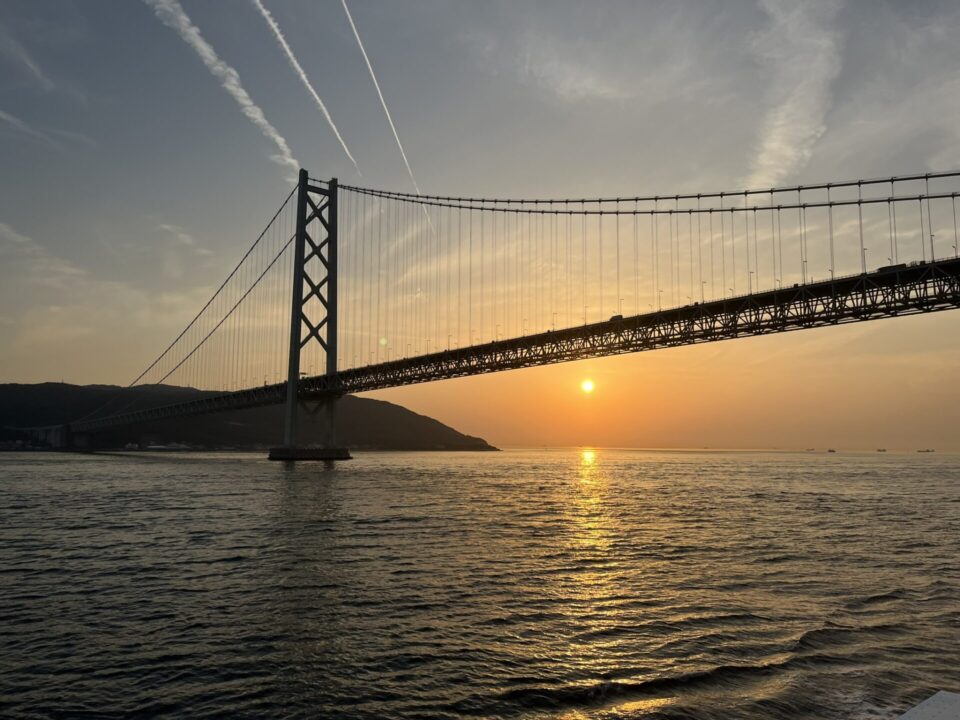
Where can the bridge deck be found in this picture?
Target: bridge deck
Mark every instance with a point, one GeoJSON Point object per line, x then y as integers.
{"type": "Point", "coordinates": [888, 292]}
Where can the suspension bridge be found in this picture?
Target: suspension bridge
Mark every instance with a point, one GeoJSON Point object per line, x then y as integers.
{"type": "Point", "coordinates": [350, 289]}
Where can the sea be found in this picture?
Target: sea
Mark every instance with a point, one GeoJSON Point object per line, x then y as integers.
{"type": "Point", "coordinates": [550, 583]}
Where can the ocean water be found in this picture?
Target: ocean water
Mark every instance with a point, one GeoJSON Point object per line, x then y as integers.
{"type": "Point", "coordinates": [554, 584]}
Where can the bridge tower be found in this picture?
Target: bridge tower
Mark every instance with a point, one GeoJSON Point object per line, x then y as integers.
{"type": "Point", "coordinates": [313, 315]}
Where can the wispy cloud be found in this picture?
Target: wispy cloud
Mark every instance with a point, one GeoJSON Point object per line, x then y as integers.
{"type": "Point", "coordinates": [295, 64]}
{"type": "Point", "coordinates": [173, 16]}
{"type": "Point", "coordinates": [180, 254]}
{"type": "Point", "coordinates": [26, 129]}
{"type": "Point", "coordinates": [53, 309]}
{"type": "Point", "coordinates": [541, 64]}
{"type": "Point", "coordinates": [383, 102]}
{"type": "Point", "coordinates": [183, 238]}
{"type": "Point", "coordinates": [804, 49]}
{"type": "Point", "coordinates": [46, 268]}
{"type": "Point", "coordinates": [47, 136]}
{"type": "Point", "coordinates": [10, 47]}
{"type": "Point", "coordinates": [11, 236]}
{"type": "Point", "coordinates": [178, 233]}
{"type": "Point", "coordinates": [73, 135]}
{"type": "Point", "coordinates": [565, 67]}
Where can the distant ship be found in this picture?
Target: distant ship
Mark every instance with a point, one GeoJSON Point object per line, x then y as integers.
{"type": "Point", "coordinates": [926, 450]}
{"type": "Point", "coordinates": [831, 450]}
{"type": "Point", "coordinates": [881, 449]}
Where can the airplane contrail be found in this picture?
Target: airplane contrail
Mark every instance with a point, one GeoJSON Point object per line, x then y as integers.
{"type": "Point", "coordinates": [26, 129]}
{"type": "Point", "coordinates": [171, 14]}
{"type": "Point", "coordinates": [382, 101]}
{"type": "Point", "coordinates": [295, 64]}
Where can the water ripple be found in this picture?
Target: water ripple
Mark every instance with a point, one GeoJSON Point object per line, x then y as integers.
{"type": "Point", "coordinates": [538, 584]}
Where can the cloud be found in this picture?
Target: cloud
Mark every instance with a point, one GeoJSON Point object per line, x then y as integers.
{"type": "Point", "coordinates": [295, 64]}
{"type": "Point", "coordinates": [175, 260]}
{"type": "Point", "coordinates": [16, 52]}
{"type": "Point", "coordinates": [47, 135]}
{"type": "Point", "coordinates": [73, 135]}
{"type": "Point", "coordinates": [62, 322]}
{"type": "Point", "coordinates": [181, 235]}
{"type": "Point", "coordinates": [561, 59]}
{"type": "Point", "coordinates": [24, 257]}
{"type": "Point", "coordinates": [10, 235]}
{"type": "Point", "coordinates": [18, 124]}
{"type": "Point", "coordinates": [541, 64]}
{"type": "Point", "coordinates": [173, 16]}
{"type": "Point", "coordinates": [901, 112]}
{"type": "Point", "coordinates": [803, 49]}
{"type": "Point", "coordinates": [543, 61]}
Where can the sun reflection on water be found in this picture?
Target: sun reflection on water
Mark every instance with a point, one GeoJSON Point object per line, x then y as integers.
{"type": "Point", "coordinates": [587, 507]}
{"type": "Point", "coordinates": [587, 457]}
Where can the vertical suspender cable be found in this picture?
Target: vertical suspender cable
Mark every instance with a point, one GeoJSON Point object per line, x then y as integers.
{"type": "Point", "coordinates": [780, 242]}
{"type": "Point", "coordinates": [733, 251]}
{"type": "Point", "coordinates": [713, 273]}
{"type": "Point", "coordinates": [600, 259]}
{"type": "Point", "coordinates": [690, 250]}
{"type": "Point", "coordinates": [863, 251]}
{"type": "Point", "coordinates": [723, 246]}
{"type": "Point", "coordinates": [699, 251]}
{"type": "Point", "coordinates": [583, 259]}
{"type": "Point", "coordinates": [655, 218]}
{"type": "Point", "coordinates": [619, 296]}
{"type": "Point", "coordinates": [923, 245]}
{"type": "Point", "coordinates": [483, 268]}
{"type": "Point", "coordinates": [896, 243]}
{"type": "Point", "coordinates": [377, 337]}
{"type": "Point", "coordinates": [636, 260]}
{"type": "Point", "coordinates": [956, 240]}
{"type": "Point", "coordinates": [459, 271]}
{"type": "Point", "coordinates": [746, 236]}
{"type": "Point", "coordinates": [673, 263]}
{"type": "Point", "coordinates": [830, 218]}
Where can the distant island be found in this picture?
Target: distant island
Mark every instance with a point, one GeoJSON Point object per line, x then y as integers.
{"type": "Point", "coordinates": [362, 423]}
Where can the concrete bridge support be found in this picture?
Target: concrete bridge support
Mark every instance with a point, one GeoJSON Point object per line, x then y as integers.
{"type": "Point", "coordinates": [59, 437]}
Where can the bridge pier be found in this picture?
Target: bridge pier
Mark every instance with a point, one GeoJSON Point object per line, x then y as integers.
{"type": "Point", "coordinates": [329, 450]}
{"type": "Point", "coordinates": [56, 437]}
{"type": "Point", "coordinates": [292, 454]}
{"type": "Point", "coordinates": [314, 204]}
{"type": "Point", "coordinates": [61, 437]}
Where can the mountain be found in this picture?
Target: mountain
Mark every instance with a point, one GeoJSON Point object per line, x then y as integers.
{"type": "Point", "coordinates": [362, 423]}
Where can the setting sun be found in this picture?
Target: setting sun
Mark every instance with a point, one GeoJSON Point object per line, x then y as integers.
{"type": "Point", "coordinates": [587, 386]}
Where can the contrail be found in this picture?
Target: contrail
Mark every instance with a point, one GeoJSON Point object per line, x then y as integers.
{"type": "Point", "coordinates": [173, 16]}
{"type": "Point", "coordinates": [10, 46]}
{"type": "Point", "coordinates": [294, 63]}
{"type": "Point", "coordinates": [26, 129]}
{"type": "Point", "coordinates": [382, 101]}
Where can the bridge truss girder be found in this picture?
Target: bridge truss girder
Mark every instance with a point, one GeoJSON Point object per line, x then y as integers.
{"type": "Point", "coordinates": [925, 287]}
{"type": "Point", "coordinates": [920, 288]}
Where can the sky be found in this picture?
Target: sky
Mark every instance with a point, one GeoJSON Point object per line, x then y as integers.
{"type": "Point", "coordinates": [139, 157]}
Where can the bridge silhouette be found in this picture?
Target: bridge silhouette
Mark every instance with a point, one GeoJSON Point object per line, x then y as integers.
{"type": "Point", "coordinates": [351, 289]}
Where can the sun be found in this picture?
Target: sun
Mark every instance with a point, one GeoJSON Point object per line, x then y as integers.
{"type": "Point", "coordinates": [587, 386]}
